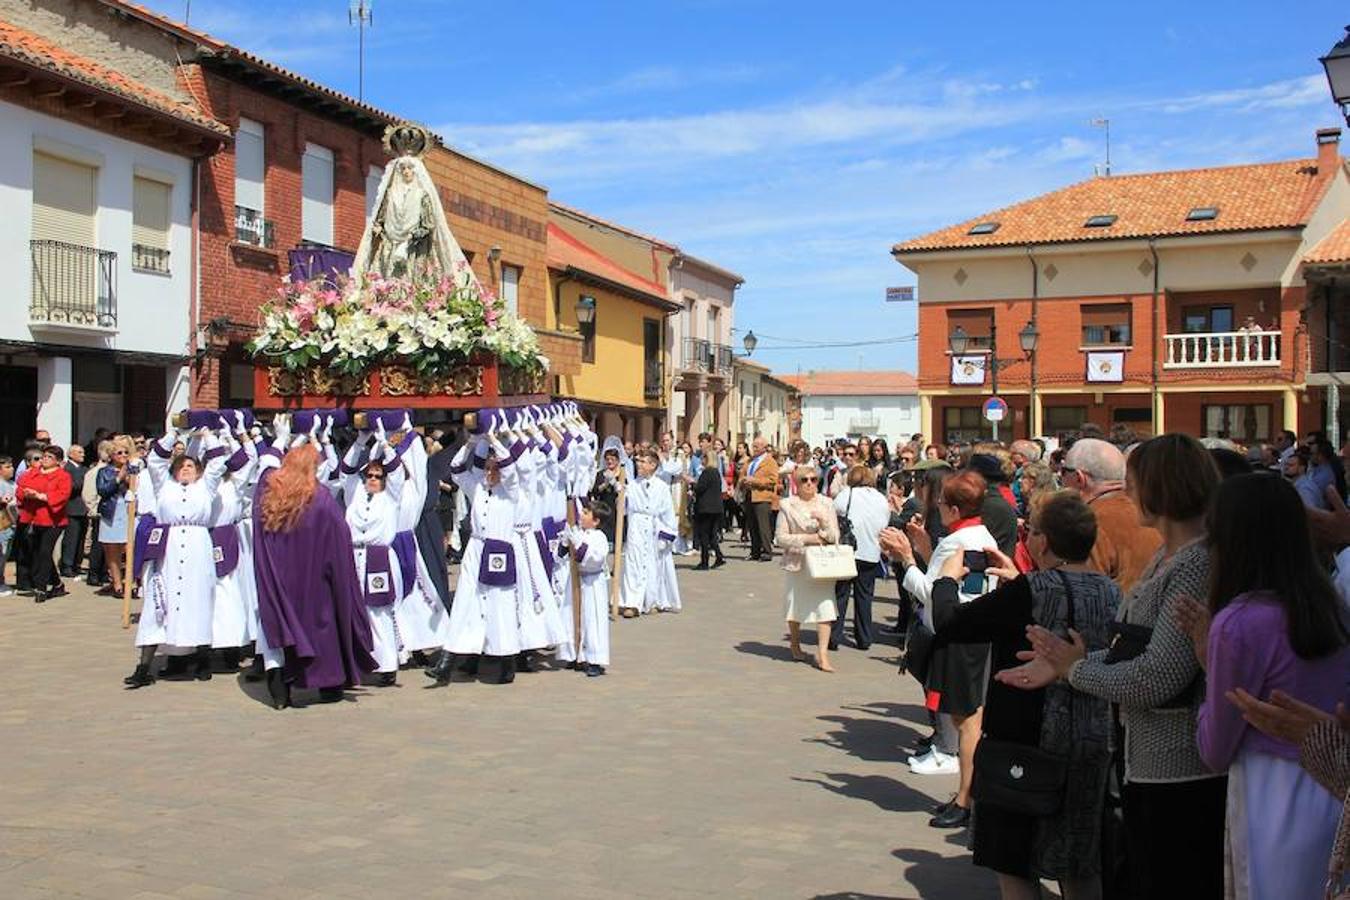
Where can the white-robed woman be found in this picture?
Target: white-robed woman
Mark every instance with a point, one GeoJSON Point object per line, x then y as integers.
{"type": "Point", "coordinates": [179, 578]}
{"type": "Point", "coordinates": [486, 609]}
{"type": "Point", "coordinates": [372, 516]}
{"type": "Point", "coordinates": [648, 564]}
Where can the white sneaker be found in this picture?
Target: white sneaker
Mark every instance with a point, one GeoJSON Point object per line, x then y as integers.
{"type": "Point", "coordinates": [924, 755]}
{"type": "Point", "coordinates": [6, 591]}
{"type": "Point", "coordinates": [937, 763]}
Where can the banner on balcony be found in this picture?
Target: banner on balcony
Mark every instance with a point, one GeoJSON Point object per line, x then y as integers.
{"type": "Point", "coordinates": [968, 370]}
{"type": "Point", "coordinates": [1106, 366]}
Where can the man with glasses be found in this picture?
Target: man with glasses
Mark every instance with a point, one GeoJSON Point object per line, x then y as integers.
{"type": "Point", "coordinates": [1096, 470]}
{"type": "Point", "coordinates": [848, 458]}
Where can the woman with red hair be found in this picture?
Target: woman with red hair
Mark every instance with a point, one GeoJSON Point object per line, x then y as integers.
{"type": "Point", "coordinates": [309, 599]}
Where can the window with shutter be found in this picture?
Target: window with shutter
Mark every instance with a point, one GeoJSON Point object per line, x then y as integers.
{"type": "Point", "coordinates": [511, 288]}
{"type": "Point", "coordinates": [150, 224]}
{"type": "Point", "coordinates": [250, 166]}
{"type": "Point", "coordinates": [1105, 324]}
{"type": "Point", "coordinates": [64, 201]}
{"type": "Point", "coordinates": [978, 325]}
{"type": "Point", "coordinates": [316, 202]}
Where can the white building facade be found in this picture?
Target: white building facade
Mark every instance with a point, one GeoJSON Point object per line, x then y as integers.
{"type": "Point", "coordinates": [702, 359]}
{"type": "Point", "coordinates": [857, 404]}
{"type": "Point", "coordinates": [97, 238]}
{"type": "Point", "coordinates": [761, 405]}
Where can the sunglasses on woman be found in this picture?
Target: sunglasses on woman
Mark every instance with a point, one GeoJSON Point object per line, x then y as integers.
{"type": "Point", "coordinates": [374, 476]}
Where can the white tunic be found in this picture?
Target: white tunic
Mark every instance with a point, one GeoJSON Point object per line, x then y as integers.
{"type": "Point", "coordinates": [591, 565]}
{"type": "Point", "coordinates": [235, 608]}
{"type": "Point", "coordinates": [648, 566]}
{"type": "Point", "coordinates": [373, 520]}
{"type": "Point", "coordinates": [541, 623]}
{"type": "Point", "coordinates": [179, 589]}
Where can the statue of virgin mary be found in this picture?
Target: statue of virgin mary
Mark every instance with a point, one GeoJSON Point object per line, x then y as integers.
{"type": "Point", "coordinates": [408, 233]}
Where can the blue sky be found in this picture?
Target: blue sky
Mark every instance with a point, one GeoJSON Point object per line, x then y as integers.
{"type": "Point", "coordinates": [796, 142]}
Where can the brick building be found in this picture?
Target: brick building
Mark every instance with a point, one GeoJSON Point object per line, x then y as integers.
{"type": "Point", "coordinates": [1189, 301]}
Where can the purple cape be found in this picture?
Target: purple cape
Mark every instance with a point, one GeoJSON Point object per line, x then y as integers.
{"type": "Point", "coordinates": [309, 598]}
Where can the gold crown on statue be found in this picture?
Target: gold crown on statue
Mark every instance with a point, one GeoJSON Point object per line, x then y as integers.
{"type": "Point", "coordinates": [406, 139]}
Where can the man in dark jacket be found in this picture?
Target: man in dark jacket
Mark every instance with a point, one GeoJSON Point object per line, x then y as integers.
{"type": "Point", "coordinates": [77, 526]}
{"type": "Point", "coordinates": [998, 514]}
{"type": "Point", "coordinates": [708, 511]}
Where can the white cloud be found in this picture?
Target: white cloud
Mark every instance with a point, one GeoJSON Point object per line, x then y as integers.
{"type": "Point", "coordinates": [655, 79]}
{"type": "Point", "coordinates": [1286, 94]}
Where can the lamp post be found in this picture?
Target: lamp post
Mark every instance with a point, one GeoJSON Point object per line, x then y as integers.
{"type": "Point", "coordinates": [1337, 65]}
{"type": "Point", "coordinates": [585, 310]}
{"type": "Point", "coordinates": [750, 342]}
{"type": "Point", "coordinates": [1028, 338]}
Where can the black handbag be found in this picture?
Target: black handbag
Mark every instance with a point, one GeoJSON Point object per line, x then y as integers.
{"type": "Point", "coordinates": [1023, 778]}
{"type": "Point", "coordinates": [1129, 641]}
{"type": "Point", "coordinates": [846, 535]}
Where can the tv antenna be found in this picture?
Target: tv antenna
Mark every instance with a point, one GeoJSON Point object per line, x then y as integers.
{"type": "Point", "coordinates": [1105, 124]}
{"type": "Point", "coordinates": [361, 14]}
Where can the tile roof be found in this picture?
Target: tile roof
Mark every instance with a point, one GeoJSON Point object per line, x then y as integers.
{"type": "Point", "coordinates": [1155, 204]}
{"type": "Point", "coordinates": [1334, 248]}
{"type": "Point", "coordinates": [852, 384]}
{"type": "Point", "coordinates": [566, 252]}
{"type": "Point", "coordinates": [32, 50]}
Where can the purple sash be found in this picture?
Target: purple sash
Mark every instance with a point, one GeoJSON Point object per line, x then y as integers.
{"type": "Point", "coordinates": [405, 548]}
{"type": "Point", "coordinates": [497, 568]}
{"type": "Point", "coordinates": [145, 524]}
{"type": "Point", "coordinates": [665, 536]}
{"type": "Point", "coordinates": [552, 528]}
{"type": "Point", "coordinates": [547, 557]}
{"type": "Point", "coordinates": [379, 586]}
{"type": "Point", "coordinates": [225, 549]}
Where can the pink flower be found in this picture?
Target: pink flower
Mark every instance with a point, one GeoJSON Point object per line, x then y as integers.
{"type": "Point", "coordinates": [330, 298]}
{"type": "Point", "coordinates": [490, 316]}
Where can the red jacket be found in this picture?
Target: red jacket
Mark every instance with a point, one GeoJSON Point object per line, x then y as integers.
{"type": "Point", "coordinates": [55, 485]}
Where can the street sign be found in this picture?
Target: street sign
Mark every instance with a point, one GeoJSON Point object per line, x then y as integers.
{"type": "Point", "coordinates": [900, 294]}
{"type": "Point", "coordinates": [995, 409]}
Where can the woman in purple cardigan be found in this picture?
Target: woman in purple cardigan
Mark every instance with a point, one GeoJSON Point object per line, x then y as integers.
{"type": "Point", "coordinates": [1277, 625]}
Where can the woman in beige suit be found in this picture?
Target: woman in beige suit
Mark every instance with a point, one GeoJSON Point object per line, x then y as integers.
{"type": "Point", "coordinates": [805, 520]}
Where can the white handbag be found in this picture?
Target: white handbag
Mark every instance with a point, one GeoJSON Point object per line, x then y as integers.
{"type": "Point", "coordinates": [831, 562]}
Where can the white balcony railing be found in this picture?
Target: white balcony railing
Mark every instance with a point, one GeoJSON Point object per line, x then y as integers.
{"type": "Point", "coordinates": [864, 423]}
{"type": "Point", "coordinates": [1205, 350]}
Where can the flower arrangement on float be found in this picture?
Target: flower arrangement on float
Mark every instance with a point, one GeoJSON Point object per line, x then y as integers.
{"type": "Point", "coordinates": [429, 321]}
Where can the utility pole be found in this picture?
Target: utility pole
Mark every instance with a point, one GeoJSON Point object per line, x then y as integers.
{"type": "Point", "coordinates": [361, 14]}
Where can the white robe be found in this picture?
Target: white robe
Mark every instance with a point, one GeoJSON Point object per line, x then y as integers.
{"type": "Point", "coordinates": [236, 596]}
{"type": "Point", "coordinates": [373, 520]}
{"type": "Point", "coordinates": [648, 566]}
{"type": "Point", "coordinates": [592, 567]}
{"type": "Point", "coordinates": [179, 589]}
{"type": "Point", "coordinates": [541, 622]}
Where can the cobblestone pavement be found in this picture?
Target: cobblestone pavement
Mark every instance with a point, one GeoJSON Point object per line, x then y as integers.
{"type": "Point", "coordinates": [706, 763]}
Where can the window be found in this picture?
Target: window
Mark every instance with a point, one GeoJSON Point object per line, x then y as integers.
{"type": "Point", "coordinates": [1237, 422]}
{"type": "Point", "coordinates": [1106, 324]}
{"type": "Point", "coordinates": [984, 228]}
{"type": "Point", "coordinates": [1105, 221]}
{"type": "Point", "coordinates": [373, 177]}
{"type": "Point", "coordinates": [250, 166]}
{"type": "Point", "coordinates": [316, 195]}
{"type": "Point", "coordinates": [652, 376]}
{"type": "Point", "coordinates": [978, 325]}
{"type": "Point", "coordinates": [965, 423]}
{"type": "Point", "coordinates": [1202, 214]}
{"type": "Point", "coordinates": [150, 224]}
{"type": "Point", "coordinates": [511, 288]}
{"type": "Point", "coordinates": [712, 324]}
{"type": "Point", "coordinates": [827, 410]}
{"type": "Point", "coordinates": [63, 200]}
{"type": "Point", "coordinates": [1133, 415]}
{"type": "Point", "coordinates": [1206, 319]}
{"type": "Point", "coordinates": [1060, 420]}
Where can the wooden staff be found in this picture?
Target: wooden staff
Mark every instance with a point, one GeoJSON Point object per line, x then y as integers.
{"type": "Point", "coordinates": [575, 571]}
{"type": "Point", "coordinates": [619, 505]}
{"type": "Point", "coordinates": [131, 551]}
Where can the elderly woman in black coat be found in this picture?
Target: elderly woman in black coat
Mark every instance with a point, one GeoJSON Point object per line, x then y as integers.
{"type": "Point", "coordinates": [708, 511]}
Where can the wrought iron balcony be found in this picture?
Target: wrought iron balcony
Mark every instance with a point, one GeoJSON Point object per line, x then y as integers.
{"type": "Point", "coordinates": [251, 228]}
{"type": "Point", "coordinates": [1221, 349]}
{"type": "Point", "coordinates": [652, 380]}
{"type": "Point", "coordinates": [149, 259]}
{"type": "Point", "coordinates": [698, 355]}
{"type": "Point", "coordinates": [723, 359]}
{"type": "Point", "coordinates": [74, 287]}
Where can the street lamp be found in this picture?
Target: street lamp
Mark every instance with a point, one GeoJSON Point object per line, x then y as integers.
{"type": "Point", "coordinates": [959, 341]}
{"type": "Point", "coordinates": [750, 342]}
{"type": "Point", "coordinates": [586, 310]}
{"type": "Point", "coordinates": [1028, 338]}
{"type": "Point", "coordinates": [1337, 64]}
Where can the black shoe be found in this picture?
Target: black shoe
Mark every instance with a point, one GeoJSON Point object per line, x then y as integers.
{"type": "Point", "coordinates": [66, 572]}
{"type": "Point", "coordinates": [386, 679]}
{"type": "Point", "coordinates": [418, 660]}
{"type": "Point", "coordinates": [255, 672]}
{"type": "Point", "coordinates": [863, 646]}
{"type": "Point", "coordinates": [94, 581]}
{"type": "Point", "coordinates": [175, 667]}
{"type": "Point", "coordinates": [140, 678]}
{"type": "Point", "coordinates": [833, 645]}
{"type": "Point", "coordinates": [330, 695]}
{"type": "Point", "coordinates": [940, 808]}
{"type": "Point", "coordinates": [441, 670]}
{"type": "Point", "coordinates": [922, 746]}
{"type": "Point", "coordinates": [701, 567]}
{"type": "Point", "coordinates": [202, 664]}
{"type": "Point", "coordinates": [721, 561]}
{"type": "Point", "coordinates": [952, 817]}
{"type": "Point", "coordinates": [39, 596]}
{"type": "Point", "coordinates": [278, 688]}
{"type": "Point", "coordinates": [594, 671]}
{"type": "Point", "coordinates": [24, 591]}
{"type": "Point", "coordinates": [526, 662]}
{"type": "Point", "coordinates": [227, 662]}
{"type": "Point", "coordinates": [497, 669]}
{"type": "Point", "coordinates": [58, 591]}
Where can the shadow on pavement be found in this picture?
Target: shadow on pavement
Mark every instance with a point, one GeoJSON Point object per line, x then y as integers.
{"type": "Point", "coordinates": [854, 895]}
{"type": "Point", "coordinates": [885, 793]}
{"type": "Point", "coordinates": [779, 652]}
{"type": "Point", "coordinates": [872, 739]}
{"type": "Point", "coordinates": [937, 877]}
{"type": "Point", "coordinates": [910, 712]}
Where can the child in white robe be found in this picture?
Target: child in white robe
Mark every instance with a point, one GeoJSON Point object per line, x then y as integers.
{"type": "Point", "coordinates": [648, 565]}
{"type": "Point", "coordinates": [587, 544]}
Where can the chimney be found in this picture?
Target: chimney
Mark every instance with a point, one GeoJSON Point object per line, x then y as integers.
{"type": "Point", "coordinates": [1328, 149]}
